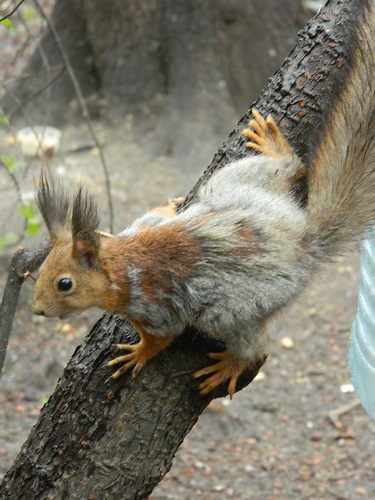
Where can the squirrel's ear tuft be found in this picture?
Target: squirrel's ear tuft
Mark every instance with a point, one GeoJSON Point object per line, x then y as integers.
{"type": "Point", "coordinates": [53, 204]}
{"type": "Point", "coordinates": [85, 222]}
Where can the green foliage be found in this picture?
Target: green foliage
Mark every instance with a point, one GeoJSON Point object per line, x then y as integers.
{"type": "Point", "coordinates": [11, 163]}
{"type": "Point", "coordinates": [45, 399]}
{"type": "Point", "coordinates": [4, 119]}
{"type": "Point", "coordinates": [8, 23]}
{"type": "Point", "coordinates": [26, 208]}
{"type": "Point", "coordinates": [33, 223]}
{"type": "Point", "coordinates": [28, 13]}
{"type": "Point", "coordinates": [7, 240]}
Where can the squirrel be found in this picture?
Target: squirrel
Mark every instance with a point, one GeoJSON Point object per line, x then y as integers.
{"type": "Point", "coordinates": [226, 264]}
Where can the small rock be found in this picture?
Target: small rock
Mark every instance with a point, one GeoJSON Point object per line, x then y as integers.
{"type": "Point", "coordinates": [260, 376]}
{"type": "Point", "coordinates": [287, 343]}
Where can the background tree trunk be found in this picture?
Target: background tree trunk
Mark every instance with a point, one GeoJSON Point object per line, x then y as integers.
{"type": "Point", "coordinates": [186, 69]}
{"type": "Point", "coordinates": [116, 440]}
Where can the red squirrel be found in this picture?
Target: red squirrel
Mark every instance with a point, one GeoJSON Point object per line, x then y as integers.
{"type": "Point", "coordinates": [226, 264]}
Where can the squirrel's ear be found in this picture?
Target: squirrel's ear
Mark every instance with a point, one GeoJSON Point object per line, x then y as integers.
{"type": "Point", "coordinates": [85, 222]}
{"type": "Point", "coordinates": [86, 250]}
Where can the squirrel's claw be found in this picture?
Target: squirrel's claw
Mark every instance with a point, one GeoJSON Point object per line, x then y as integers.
{"type": "Point", "coordinates": [266, 137]}
{"type": "Point", "coordinates": [131, 360]}
{"type": "Point", "coordinates": [227, 368]}
{"type": "Point", "coordinates": [139, 354]}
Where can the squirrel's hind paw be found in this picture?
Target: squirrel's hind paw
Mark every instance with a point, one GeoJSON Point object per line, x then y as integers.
{"type": "Point", "coordinates": [227, 368]}
{"type": "Point", "coordinates": [266, 136]}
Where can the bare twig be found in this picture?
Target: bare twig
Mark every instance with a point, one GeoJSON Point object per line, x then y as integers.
{"type": "Point", "coordinates": [20, 106]}
{"type": "Point", "coordinates": [334, 415]}
{"type": "Point", "coordinates": [12, 11]}
{"type": "Point", "coordinates": [19, 200]}
{"type": "Point", "coordinates": [50, 78]}
{"type": "Point", "coordinates": [9, 62]}
{"type": "Point", "coordinates": [13, 179]}
{"type": "Point", "coordinates": [82, 103]}
{"type": "Point", "coordinates": [23, 263]}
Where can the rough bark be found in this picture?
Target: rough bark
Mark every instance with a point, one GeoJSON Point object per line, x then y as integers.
{"type": "Point", "coordinates": [117, 440]}
{"type": "Point", "coordinates": [303, 91]}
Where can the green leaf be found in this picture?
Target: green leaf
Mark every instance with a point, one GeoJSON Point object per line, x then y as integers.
{"type": "Point", "coordinates": [45, 399]}
{"type": "Point", "coordinates": [4, 119]}
{"type": "Point", "coordinates": [11, 163]}
{"type": "Point", "coordinates": [33, 226]}
{"type": "Point", "coordinates": [33, 223]}
{"type": "Point", "coordinates": [27, 209]}
{"type": "Point", "coordinates": [7, 240]}
{"type": "Point", "coordinates": [8, 23]}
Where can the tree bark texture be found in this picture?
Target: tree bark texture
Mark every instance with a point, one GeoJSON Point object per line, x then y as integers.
{"type": "Point", "coordinates": [99, 440]}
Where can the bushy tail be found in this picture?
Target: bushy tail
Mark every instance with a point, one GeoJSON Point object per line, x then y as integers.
{"type": "Point", "coordinates": [342, 176]}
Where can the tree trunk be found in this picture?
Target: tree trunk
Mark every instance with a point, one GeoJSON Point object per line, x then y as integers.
{"type": "Point", "coordinates": [117, 439]}
{"type": "Point", "coordinates": [185, 69]}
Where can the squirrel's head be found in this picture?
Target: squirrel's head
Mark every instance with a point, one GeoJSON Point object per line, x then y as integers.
{"type": "Point", "coordinates": [70, 280]}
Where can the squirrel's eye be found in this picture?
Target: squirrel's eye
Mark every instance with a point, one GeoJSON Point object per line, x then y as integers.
{"type": "Point", "coordinates": [64, 284]}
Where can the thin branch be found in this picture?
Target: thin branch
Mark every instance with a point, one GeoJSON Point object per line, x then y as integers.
{"type": "Point", "coordinates": [13, 179]}
{"type": "Point", "coordinates": [20, 106]}
{"type": "Point", "coordinates": [20, 51]}
{"type": "Point", "coordinates": [12, 11]}
{"type": "Point", "coordinates": [19, 201]}
{"type": "Point", "coordinates": [23, 263]}
{"type": "Point", "coordinates": [334, 415]}
{"type": "Point", "coordinates": [82, 103]}
{"type": "Point", "coordinates": [49, 69]}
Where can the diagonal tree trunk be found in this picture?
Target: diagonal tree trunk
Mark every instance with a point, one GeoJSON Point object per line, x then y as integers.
{"type": "Point", "coordinates": [117, 440]}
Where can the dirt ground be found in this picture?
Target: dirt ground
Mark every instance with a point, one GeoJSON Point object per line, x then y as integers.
{"type": "Point", "coordinates": [278, 439]}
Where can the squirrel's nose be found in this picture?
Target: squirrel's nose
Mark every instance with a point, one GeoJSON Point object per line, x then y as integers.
{"type": "Point", "coordinates": [37, 311]}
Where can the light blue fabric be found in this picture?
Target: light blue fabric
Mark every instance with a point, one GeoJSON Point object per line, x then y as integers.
{"type": "Point", "coordinates": [362, 339]}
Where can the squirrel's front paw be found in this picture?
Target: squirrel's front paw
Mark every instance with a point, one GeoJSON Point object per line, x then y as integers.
{"type": "Point", "coordinates": [139, 354]}
{"type": "Point", "coordinates": [227, 368]}
{"type": "Point", "coordinates": [135, 359]}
